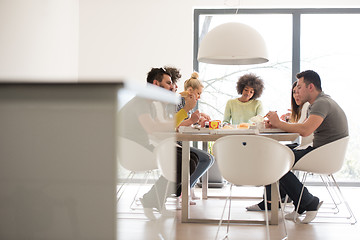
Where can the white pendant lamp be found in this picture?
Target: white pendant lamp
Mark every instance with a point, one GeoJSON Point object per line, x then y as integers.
{"type": "Point", "coordinates": [233, 44]}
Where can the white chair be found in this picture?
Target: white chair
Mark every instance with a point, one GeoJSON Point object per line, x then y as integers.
{"type": "Point", "coordinates": [137, 159]}
{"type": "Point", "coordinates": [325, 161]}
{"type": "Point", "coordinates": [165, 158]}
{"type": "Point", "coordinates": [159, 111]}
{"type": "Point", "coordinates": [165, 154]}
{"type": "Point", "coordinates": [252, 160]}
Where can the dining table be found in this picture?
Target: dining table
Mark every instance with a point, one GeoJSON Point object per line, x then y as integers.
{"type": "Point", "coordinates": [191, 134]}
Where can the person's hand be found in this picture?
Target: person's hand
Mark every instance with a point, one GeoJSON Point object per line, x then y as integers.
{"type": "Point", "coordinates": [195, 116]}
{"type": "Point", "coordinates": [285, 117]}
{"type": "Point", "coordinates": [190, 102]}
{"type": "Point", "coordinates": [202, 121]}
{"type": "Point", "coordinates": [268, 124]}
{"type": "Point", "coordinates": [273, 118]}
{"type": "Point", "coordinates": [205, 116]}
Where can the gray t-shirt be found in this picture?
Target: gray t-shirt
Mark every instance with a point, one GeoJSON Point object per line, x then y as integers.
{"type": "Point", "coordinates": [334, 126]}
{"type": "Point", "coordinates": [130, 126]}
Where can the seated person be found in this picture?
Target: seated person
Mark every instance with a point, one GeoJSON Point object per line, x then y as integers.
{"type": "Point", "coordinates": [157, 195]}
{"type": "Point", "coordinates": [327, 121]}
{"type": "Point", "coordinates": [240, 110]}
{"type": "Point", "coordinates": [193, 86]}
{"type": "Point", "coordinates": [298, 114]}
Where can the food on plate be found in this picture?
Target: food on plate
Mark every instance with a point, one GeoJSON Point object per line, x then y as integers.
{"type": "Point", "coordinates": [243, 126]}
{"type": "Point", "coordinates": [228, 126]}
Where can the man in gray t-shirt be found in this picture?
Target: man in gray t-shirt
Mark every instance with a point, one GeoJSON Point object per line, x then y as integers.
{"type": "Point", "coordinates": [334, 126]}
{"type": "Point", "coordinates": [327, 121]}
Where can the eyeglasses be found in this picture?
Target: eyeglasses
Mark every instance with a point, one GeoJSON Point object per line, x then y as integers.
{"type": "Point", "coordinates": [164, 71]}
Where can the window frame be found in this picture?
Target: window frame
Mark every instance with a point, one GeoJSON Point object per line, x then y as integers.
{"type": "Point", "coordinates": [296, 15]}
{"type": "Point", "coordinates": [296, 28]}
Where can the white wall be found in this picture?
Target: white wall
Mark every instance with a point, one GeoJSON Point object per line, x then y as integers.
{"type": "Point", "coordinates": [38, 39]}
{"type": "Point", "coordinates": [102, 39]}
{"type": "Point", "coordinates": [124, 39]}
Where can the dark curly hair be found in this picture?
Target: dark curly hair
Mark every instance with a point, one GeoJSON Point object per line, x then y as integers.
{"type": "Point", "coordinates": [175, 73]}
{"type": "Point", "coordinates": [156, 74]}
{"type": "Point", "coordinates": [252, 81]}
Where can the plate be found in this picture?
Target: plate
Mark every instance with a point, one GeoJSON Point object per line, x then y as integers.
{"type": "Point", "coordinates": [271, 130]}
{"type": "Point", "coordinates": [236, 131]}
{"type": "Point", "coordinates": [189, 129]}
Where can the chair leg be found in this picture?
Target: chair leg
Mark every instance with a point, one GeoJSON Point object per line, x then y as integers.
{"type": "Point", "coordinates": [222, 215]}
{"type": "Point", "coordinates": [341, 197]}
{"type": "Point", "coordinates": [136, 200]}
{"type": "Point", "coordinates": [329, 189]}
{"type": "Point", "coordinates": [121, 191]}
{"type": "Point", "coordinates": [147, 173]}
{"type": "Point", "coordinates": [285, 201]}
{"type": "Point", "coordinates": [344, 200]}
{"type": "Point", "coordinates": [166, 193]}
{"type": "Point", "coordinates": [228, 225]}
{"type": "Point", "coordinates": [124, 185]}
{"type": "Point", "coordinates": [282, 210]}
{"type": "Point", "coordinates": [267, 216]}
{"type": "Point", "coordinates": [301, 193]}
{"type": "Point", "coordinates": [333, 187]}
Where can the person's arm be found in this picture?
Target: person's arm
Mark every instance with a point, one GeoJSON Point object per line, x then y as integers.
{"type": "Point", "coordinates": [180, 116]}
{"type": "Point", "coordinates": [227, 113]}
{"type": "Point", "coordinates": [260, 109]}
{"type": "Point", "coordinates": [194, 118]}
{"type": "Point", "coordinates": [190, 103]}
{"type": "Point", "coordinates": [304, 129]}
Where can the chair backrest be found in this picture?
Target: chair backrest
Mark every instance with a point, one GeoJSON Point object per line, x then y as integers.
{"type": "Point", "coordinates": [326, 159]}
{"type": "Point", "coordinates": [159, 111]}
{"type": "Point", "coordinates": [135, 157]}
{"type": "Point", "coordinates": [252, 160]}
{"type": "Point", "coordinates": [165, 154]}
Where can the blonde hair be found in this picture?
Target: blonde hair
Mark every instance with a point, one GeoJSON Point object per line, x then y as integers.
{"type": "Point", "coordinates": [193, 82]}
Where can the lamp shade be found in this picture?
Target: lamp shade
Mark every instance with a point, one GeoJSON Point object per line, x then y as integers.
{"type": "Point", "coordinates": [233, 44]}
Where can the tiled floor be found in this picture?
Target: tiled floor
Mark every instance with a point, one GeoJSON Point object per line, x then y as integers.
{"type": "Point", "coordinates": [134, 225]}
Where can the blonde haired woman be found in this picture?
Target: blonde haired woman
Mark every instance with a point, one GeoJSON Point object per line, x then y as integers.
{"type": "Point", "coordinates": [194, 86]}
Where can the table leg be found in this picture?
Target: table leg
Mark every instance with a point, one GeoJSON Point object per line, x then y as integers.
{"type": "Point", "coordinates": [205, 177]}
{"type": "Point", "coordinates": [185, 182]}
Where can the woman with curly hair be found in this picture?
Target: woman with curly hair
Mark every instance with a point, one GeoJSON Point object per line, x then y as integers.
{"type": "Point", "coordinates": [240, 110]}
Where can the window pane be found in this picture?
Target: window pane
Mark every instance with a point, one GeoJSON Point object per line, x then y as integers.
{"type": "Point", "coordinates": [220, 80]}
{"type": "Point", "coordinates": [330, 46]}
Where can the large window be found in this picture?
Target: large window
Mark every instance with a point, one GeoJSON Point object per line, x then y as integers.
{"type": "Point", "coordinates": [325, 40]}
